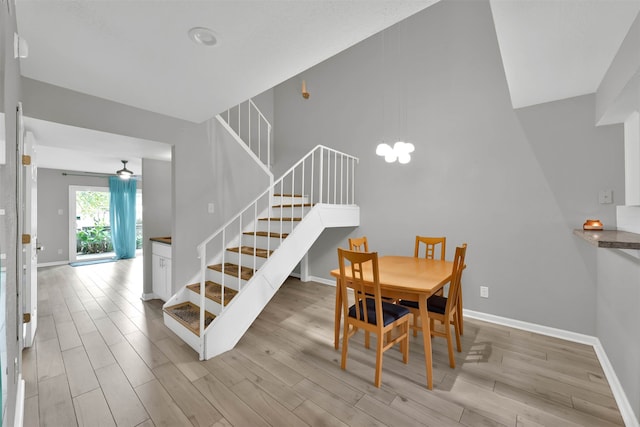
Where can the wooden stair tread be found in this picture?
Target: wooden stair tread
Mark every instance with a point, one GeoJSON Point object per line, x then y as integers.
{"type": "Point", "coordinates": [248, 250]}
{"type": "Point", "coordinates": [288, 195]}
{"type": "Point", "coordinates": [280, 219]}
{"type": "Point", "coordinates": [188, 314]}
{"type": "Point", "coordinates": [232, 270]}
{"type": "Point", "coordinates": [213, 291]}
{"type": "Point", "coordinates": [265, 234]}
{"type": "Point", "coordinates": [294, 205]}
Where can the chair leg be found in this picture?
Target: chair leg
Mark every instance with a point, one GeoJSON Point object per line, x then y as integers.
{"type": "Point", "coordinates": [415, 324]}
{"type": "Point", "coordinates": [459, 311]}
{"type": "Point", "coordinates": [452, 360]}
{"type": "Point", "coordinates": [345, 344]}
{"type": "Point", "coordinates": [404, 344]}
{"type": "Point", "coordinates": [367, 339]}
{"type": "Point", "coordinates": [456, 327]}
{"type": "Point", "coordinates": [378, 380]}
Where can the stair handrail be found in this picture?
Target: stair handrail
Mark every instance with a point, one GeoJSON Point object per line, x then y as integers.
{"type": "Point", "coordinates": [323, 183]}
{"type": "Point", "coordinates": [239, 124]}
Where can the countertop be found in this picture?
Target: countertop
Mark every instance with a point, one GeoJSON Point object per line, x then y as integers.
{"type": "Point", "coordinates": [166, 239]}
{"type": "Point", "coordinates": [610, 238]}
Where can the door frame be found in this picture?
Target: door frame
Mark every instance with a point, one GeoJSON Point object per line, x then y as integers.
{"type": "Point", "coordinates": [30, 188]}
{"type": "Point", "coordinates": [73, 214]}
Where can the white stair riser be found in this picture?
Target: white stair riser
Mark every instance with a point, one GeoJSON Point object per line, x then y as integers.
{"type": "Point", "coordinates": [277, 226]}
{"type": "Point", "coordinates": [261, 242]}
{"type": "Point", "coordinates": [296, 211]}
{"type": "Point", "coordinates": [211, 306]}
{"type": "Point", "coordinates": [247, 260]}
{"type": "Point", "coordinates": [187, 336]}
{"type": "Point", "coordinates": [230, 281]}
{"type": "Point", "coordinates": [288, 200]}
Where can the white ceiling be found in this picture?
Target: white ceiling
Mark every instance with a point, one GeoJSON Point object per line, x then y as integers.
{"type": "Point", "coordinates": [559, 49]}
{"type": "Point", "coordinates": [76, 149]}
{"type": "Point", "coordinates": [94, 47]}
{"type": "Point", "coordinates": [551, 49]}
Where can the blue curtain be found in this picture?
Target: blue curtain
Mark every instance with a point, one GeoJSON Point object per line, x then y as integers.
{"type": "Point", "coordinates": [122, 212]}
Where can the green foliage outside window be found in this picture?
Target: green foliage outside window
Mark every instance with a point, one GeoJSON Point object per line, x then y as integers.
{"type": "Point", "coordinates": [93, 235]}
{"type": "Point", "coordinates": [94, 240]}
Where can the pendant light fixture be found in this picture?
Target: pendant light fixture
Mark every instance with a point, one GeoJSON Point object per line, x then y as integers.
{"type": "Point", "coordinates": [400, 150]}
{"type": "Point", "coordinates": [124, 173]}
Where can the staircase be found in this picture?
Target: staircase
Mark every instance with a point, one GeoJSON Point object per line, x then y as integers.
{"type": "Point", "coordinates": [244, 263]}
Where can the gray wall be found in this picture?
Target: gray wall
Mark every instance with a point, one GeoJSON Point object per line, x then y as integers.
{"type": "Point", "coordinates": [618, 317]}
{"type": "Point", "coordinates": [204, 162]}
{"type": "Point", "coordinates": [53, 194]}
{"type": "Point", "coordinates": [512, 184]}
{"type": "Point", "coordinates": [157, 215]}
{"type": "Point", "coordinates": [60, 105]}
{"type": "Point", "coordinates": [53, 228]}
{"type": "Point", "coordinates": [212, 168]}
{"type": "Point", "coordinates": [264, 102]}
{"type": "Point", "coordinates": [618, 294]}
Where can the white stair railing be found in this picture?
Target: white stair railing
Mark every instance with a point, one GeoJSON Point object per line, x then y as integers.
{"type": "Point", "coordinates": [253, 128]}
{"type": "Point", "coordinates": [324, 175]}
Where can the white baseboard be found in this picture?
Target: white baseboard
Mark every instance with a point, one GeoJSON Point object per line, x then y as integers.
{"type": "Point", "coordinates": [628, 416]}
{"type": "Point", "coordinates": [532, 327]}
{"type": "Point", "coordinates": [19, 417]}
{"type": "Point", "coordinates": [53, 263]}
{"type": "Point", "coordinates": [148, 297]}
{"type": "Point", "coordinates": [626, 410]}
{"type": "Point", "coordinates": [329, 282]}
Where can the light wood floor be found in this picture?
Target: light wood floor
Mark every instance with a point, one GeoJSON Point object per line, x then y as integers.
{"type": "Point", "coordinates": [103, 357]}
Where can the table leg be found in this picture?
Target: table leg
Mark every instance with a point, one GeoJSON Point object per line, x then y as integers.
{"type": "Point", "coordinates": [338, 315]}
{"type": "Point", "coordinates": [426, 336]}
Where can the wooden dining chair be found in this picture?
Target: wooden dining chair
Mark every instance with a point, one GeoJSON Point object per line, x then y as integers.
{"type": "Point", "coordinates": [359, 244]}
{"type": "Point", "coordinates": [444, 309]}
{"type": "Point", "coordinates": [369, 312]}
{"type": "Point", "coordinates": [430, 246]}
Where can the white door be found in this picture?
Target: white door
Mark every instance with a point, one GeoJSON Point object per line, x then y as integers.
{"type": "Point", "coordinates": [30, 294]}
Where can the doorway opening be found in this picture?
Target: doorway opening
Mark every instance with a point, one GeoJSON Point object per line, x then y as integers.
{"type": "Point", "coordinates": [89, 223]}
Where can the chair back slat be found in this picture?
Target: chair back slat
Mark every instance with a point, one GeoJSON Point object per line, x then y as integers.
{"type": "Point", "coordinates": [363, 267]}
{"type": "Point", "coordinates": [358, 244]}
{"type": "Point", "coordinates": [456, 278]}
{"type": "Point", "coordinates": [430, 244]}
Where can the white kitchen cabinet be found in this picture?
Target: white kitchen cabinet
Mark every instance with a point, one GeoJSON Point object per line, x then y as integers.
{"type": "Point", "coordinates": [161, 270]}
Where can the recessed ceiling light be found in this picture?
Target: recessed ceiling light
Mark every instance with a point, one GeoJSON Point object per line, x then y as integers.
{"type": "Point", "coordinates": [203, 36]}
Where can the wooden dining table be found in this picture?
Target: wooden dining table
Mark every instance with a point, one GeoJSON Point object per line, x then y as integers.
{"type": "Point", "coordinates": [410, 278]}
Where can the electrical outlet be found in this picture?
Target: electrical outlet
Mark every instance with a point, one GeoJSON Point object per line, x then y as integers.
{"type": "Point", "coordinates": [605, 196]}
{"type": "Point", "coordinates": [484, 291]}
{"type": "Point", "coordinates": [211, 208]}
{"type": "Point", "coordinates": [59, 251]}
